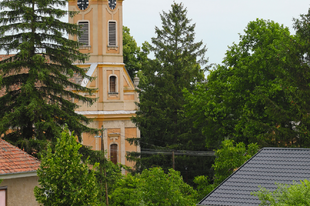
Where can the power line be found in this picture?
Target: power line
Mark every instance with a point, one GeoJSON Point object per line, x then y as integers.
{"type": "Point", "coordinates": [176, 152]}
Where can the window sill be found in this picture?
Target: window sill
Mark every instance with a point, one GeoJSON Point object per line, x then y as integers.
{"type": "Point", "coordinates": [86, 47]}
{"type": "Point", "coordinates": [113, 93]}
{"type": "Point", "coordinates": [112, 47]}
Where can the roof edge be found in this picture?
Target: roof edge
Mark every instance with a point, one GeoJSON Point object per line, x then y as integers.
{"type": "Point", "coordinates": [18, 175]}
{"type": "Point", "coordinates": [199, 204]}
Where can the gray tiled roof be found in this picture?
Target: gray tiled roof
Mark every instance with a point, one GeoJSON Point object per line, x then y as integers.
{"type": "Point", "coordinates": [269, 165]}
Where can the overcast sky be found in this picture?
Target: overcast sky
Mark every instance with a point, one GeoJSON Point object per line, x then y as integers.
{"type": "Point", "coordinates": [218, 22]}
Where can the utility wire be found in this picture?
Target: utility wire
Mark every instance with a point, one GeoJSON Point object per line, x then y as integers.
{"type": "Point", "coordinates": [176, 152]}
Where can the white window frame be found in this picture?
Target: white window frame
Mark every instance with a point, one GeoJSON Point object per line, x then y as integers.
{"type": "Point", "coordinates": [116, 83]}
{"type": "Point", "coordinates": [88, 44]}
{"type": "Point", "coordinates": [116, 31]}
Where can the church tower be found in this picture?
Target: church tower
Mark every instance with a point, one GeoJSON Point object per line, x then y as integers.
{"type": "Point", "coordinates": [102, 25]}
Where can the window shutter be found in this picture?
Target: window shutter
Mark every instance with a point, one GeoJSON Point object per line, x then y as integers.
{"type": "Point", "coordinates": [84, 39]}
{"type": "Point", "coordinates": [112, 33]}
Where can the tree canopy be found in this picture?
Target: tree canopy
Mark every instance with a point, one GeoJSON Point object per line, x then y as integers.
{"type": "Point", "coordinates": [64, 179]}
{"type": "Point", "coordinates": [260, 93]}
{"type": "Point", "coordinates": [153, 187]}
{"type": "Point", "coordinates": [229, 157]}
{"type": "Point", "coordinates": [285, 195]}
{"type": "Point", "coordinates": [38, 99]}
{"type": "Point", "coordinates": [134, 57]}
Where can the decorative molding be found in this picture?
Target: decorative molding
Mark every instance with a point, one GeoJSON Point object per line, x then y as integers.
{"type": "Point", "coordinates": [105, 112]}
{"type": "Point", "coordinates": [112, 48]}
{"type": "Point", "coordinates": [114, 136]}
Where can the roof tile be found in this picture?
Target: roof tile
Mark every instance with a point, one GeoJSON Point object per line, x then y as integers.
{"type": "Point", "coordinates": [268, 166]}
{"type": "Point", "coordinates": [14, 160]}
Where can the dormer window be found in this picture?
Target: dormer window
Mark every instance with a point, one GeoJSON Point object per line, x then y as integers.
{"type": "Point", "coordinates": [112, 33]}
{"type": "Point", "coordinates": [84, 38]}
{"type": "Point", "coordinates": [112, 84]}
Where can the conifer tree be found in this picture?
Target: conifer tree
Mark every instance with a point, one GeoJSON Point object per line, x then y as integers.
{"type": "Point", "coordinates": [161, 117]}
{"type": "Point", "coordinates": [38, 93]}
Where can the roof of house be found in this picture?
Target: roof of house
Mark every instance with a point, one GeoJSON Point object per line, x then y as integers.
{"type": "Point", "coordinates": [267, 167]}
{"type": "Point", "coordinates": [13, 160]}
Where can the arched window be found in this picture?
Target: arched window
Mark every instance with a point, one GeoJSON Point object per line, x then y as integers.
{"type": "Point", "coordinates": [113, 153]}
{"type": "Point", "coordinates": [113, 84]}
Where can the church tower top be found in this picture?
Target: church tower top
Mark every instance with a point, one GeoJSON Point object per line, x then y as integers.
{"type": "Point", "coordinates": [102, 25]}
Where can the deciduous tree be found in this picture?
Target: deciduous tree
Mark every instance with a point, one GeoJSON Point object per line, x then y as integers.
{"type": "Point", "coordinates": [153, 187]}
{"type": "Point", "coordinates": [64, 179]}
{"type": "Point", "coordinates": [260, 93]}
{"type": "Point", "coordinates": [229, 157]}
{"type": "Point", "coordinates": [285, 195]}
{"type": "Point", "coordinates": [134, 57]}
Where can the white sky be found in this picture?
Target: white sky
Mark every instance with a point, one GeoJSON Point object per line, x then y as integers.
{"type": "Point", "coordinates": [218, 22]}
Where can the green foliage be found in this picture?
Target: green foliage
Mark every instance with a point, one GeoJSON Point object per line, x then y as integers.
{"type": "Point", "coordinates": [63, 178]}
{"type": "Point", "coordinates": [260, 93]}
{"type": "Point", "coordinates": [153, 187]}
{"type": "Point", "coordinates": [113, 172]}
{"type": "Point", "coordinates": [126, 192]}
{"type": "Point", "coordinates": [285, 195]}
{"type": "Point", "coordinates": [36, 80]}
{"type": "Point", "coordinates": [228, 158]}
{"type": "Point", "coordinates": [204, 186]}
{"type": "Point", "coordinates": [134, 59]}
{"type": "Point", "coordinates": [161, 117]}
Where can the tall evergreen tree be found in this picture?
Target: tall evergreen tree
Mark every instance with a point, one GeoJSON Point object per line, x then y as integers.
{"type": "Point", "coordinates": [36, 80]}
{"type": "Point", "coordinates": [161, 117]}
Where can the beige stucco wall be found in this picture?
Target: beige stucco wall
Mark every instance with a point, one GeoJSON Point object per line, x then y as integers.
{"type": "Point", "coordinates": [107, 61]}
{"type": "Point", "coordinates": [98, 13]}
{"type": "Point", "coordinates": [20, 191]}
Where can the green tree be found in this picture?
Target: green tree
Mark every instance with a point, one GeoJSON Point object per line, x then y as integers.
{"type": "Point", "coordinates": [153, 187]}
{"type": "Point", "coordinates": [38, 99]}
{"type": "Point", "coordinates": [113, 172]}
{"type": "Point", "coordinates": [134, 58]}
{"type": "Point", "coordinates": [285, 195]}
{"type": "Point", "coordinates": [259, 94]}
{"type": "Point", "coordinates": [161, 117]}
{"type": "Point", "coordinates": [63, 178]}
{"type": "Point", "coordinates": [229, 157]}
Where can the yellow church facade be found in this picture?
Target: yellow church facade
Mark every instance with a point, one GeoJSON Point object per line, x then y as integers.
{"type": "Point", "coordinates": [102, 26]}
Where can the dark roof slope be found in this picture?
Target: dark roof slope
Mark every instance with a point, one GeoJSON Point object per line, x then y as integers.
{"type": "Point", "coordinates": [268, 166]}
{"type": "Point", "coordinates": [14, 160]}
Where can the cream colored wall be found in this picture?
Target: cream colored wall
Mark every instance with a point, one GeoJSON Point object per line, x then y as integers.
{"type": "Point", "coordinates": [109, 62]}
{"type": "Point", "coordinates": [20, 191]}
{"type": "Point", "coordinates": [99, 14]}
{"type": "Point", "coordinates": [116, 131]}
{"type": "Point", "coordinates": [124, 100]}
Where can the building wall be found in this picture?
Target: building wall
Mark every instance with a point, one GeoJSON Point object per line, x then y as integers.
{"type": "Point", "coordinates": [20, 191]}
{"type": "Point", "coordinates": [112, 110]}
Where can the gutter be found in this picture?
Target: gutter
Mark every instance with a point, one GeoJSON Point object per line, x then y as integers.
{"type": "Point", "coordinates": [18, 175]}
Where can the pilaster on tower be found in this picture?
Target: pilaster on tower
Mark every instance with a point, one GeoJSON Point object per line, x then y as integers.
{"type": "Point", "coordinates": [102, 29]}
